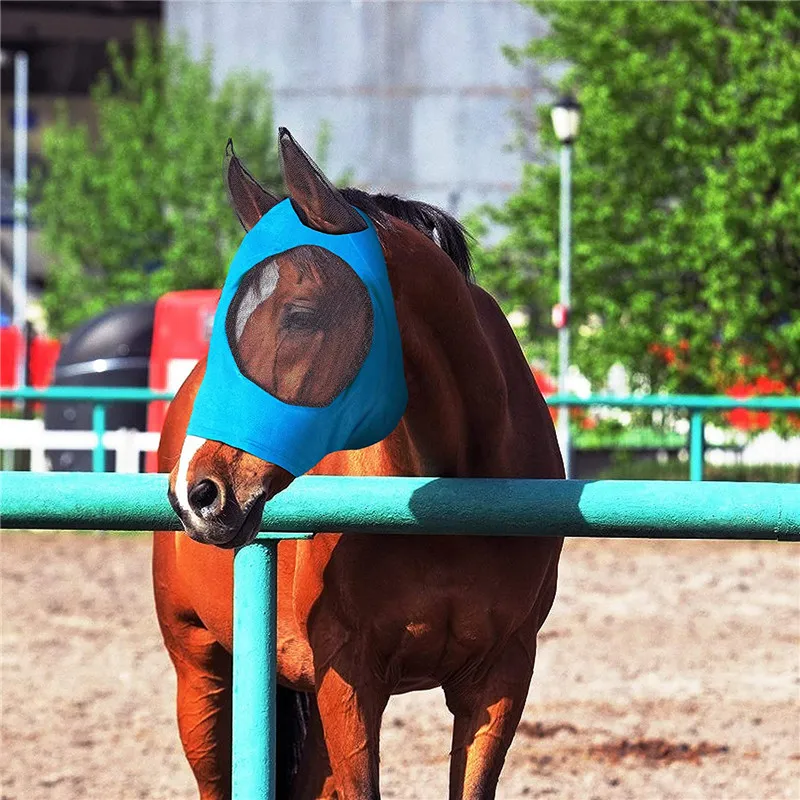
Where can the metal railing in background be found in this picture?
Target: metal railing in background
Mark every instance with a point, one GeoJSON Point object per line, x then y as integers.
{"type": "Point", "coordinates": [32, 436]}
{"type": "Point", "coordinates": [99, 396]}
{"type": "Point", "coordinates": [697, 407]}
{"type": "Point", "coordinates": [696, 404]}
{"type": "Point", "coordinates": [633, 509]}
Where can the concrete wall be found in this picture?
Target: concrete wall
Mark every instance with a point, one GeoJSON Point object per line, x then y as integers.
{"type": "Point", "coordinates": [418, 95]}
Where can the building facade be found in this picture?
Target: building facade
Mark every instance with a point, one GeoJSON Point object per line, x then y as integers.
{"type": "Point", "coordinates": [417, 95]}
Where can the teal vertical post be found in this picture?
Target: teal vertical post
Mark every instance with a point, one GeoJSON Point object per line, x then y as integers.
{"type": "Point", "coordinates": [696, 446]}
{"type": "Point", "coordinates": [255, 623]}
{"type": "Point", "coordinates": [99, 427]}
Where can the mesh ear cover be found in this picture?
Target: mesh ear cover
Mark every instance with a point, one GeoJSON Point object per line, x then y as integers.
{"type": "Point", "coordinates": [248, 198]}
{"type": "Point", "coordinates": [300, 326]}
{"type": "Point", "coordinates": [323, 207]}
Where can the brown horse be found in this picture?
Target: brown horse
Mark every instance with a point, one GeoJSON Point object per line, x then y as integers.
{"type": "Point", "coordinates": [363, 617]}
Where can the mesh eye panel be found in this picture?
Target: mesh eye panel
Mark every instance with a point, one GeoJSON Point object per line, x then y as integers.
{"type": "Point", "coordinates": [300, 326]}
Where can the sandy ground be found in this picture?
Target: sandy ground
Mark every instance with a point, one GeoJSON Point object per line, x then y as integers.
{"type": "Point", "coordinates": [666, 670]}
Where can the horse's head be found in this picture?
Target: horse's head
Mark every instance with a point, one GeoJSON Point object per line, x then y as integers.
{"type": "Point", "coordinates": [304, 358]}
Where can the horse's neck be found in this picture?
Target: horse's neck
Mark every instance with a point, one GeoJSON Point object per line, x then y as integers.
{"type": "Point", "coordinates": [457, 421]}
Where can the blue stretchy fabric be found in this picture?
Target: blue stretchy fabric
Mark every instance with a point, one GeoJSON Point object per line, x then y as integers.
{"type": "Point", "coordinates": [231, 409]}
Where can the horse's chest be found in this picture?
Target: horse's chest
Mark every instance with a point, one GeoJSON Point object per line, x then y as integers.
{"type": "Point", "coordinates": [419, 611]}
{"type": "Point", "coordinates": [432, 638]}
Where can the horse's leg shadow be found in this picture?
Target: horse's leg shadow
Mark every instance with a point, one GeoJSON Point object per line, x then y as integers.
{"type": "Point", "coordinates": [486, 715]}
{"type": "Point", "coordinates": [314, 779]}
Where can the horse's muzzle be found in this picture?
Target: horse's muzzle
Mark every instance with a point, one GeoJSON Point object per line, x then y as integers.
{"type": "Point", "coordinates": [216, 516]}
{"type": "Point", "coordinates": [219, 492]}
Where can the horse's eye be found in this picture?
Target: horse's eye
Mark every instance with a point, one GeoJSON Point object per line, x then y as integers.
{"type": "Point", "coordinates": [300, 319]}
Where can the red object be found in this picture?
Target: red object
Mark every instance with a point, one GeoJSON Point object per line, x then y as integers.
{"type": "Point", "coordinates": [181, 331]}
{"type": "Point", "coordinates": [747, 420]}
{"type": "Point", "coordinates": [42, 360]}
{"type": "Point", "coordinates": [546, 386]}
{"type": "Point", "coordinates": [42, 356]}
{"type": "Point", "coordinates": [10, 350]}
{"type": "Point", "coordinates": [559, 315]}
{"type": "Point", "coordinates": [545, 383]}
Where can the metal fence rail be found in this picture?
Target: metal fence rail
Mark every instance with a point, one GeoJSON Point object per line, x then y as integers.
{"type": "Point", "coordinates": [641, 509]}
{"type": "Point", "coordinates": [99, 396]}
{"type": "Point", "coordinates": [696, 405]}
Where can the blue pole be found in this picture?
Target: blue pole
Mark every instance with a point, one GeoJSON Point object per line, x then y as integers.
{"type": "Point", "coordinates": [91, 394]}
{"type": "Point", "coordinates": [255, 600]}
{"type": "Point", "coordinates": [692, 402]}
{"type": "Point", "coordinates": [696, 446]}
{"type": "Point", "coordinates": [99, 427]}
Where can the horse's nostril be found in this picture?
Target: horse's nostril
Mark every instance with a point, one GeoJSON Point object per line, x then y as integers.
{"type": "Point", "coordinates": [203, 495]}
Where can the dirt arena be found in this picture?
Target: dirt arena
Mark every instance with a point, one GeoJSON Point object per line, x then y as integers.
{"type": "Point", "coordinates": [666, 670]}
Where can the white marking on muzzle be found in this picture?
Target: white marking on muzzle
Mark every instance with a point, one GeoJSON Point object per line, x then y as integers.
{"type": "Point", "coordinates": [191, 444]}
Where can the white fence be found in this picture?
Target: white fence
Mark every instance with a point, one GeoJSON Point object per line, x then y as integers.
{"type": "Point", "coordinates": [30, 434]}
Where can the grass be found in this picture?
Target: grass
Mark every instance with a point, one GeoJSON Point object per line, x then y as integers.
{"type": "Point", "coordinates": [624, 468]}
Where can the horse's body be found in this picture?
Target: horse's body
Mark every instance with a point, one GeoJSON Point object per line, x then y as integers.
{"type": "Point", "coordinates": [363, 617]}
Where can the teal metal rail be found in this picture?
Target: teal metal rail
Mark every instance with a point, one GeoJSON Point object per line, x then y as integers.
{"type": "Point", "coordinates": [658, 509]}
{"type": "Point", "coordinates": [636, 509]}
{"type": "Point", "coordinates": [100, 396]}
{"type": "Point", "coordinates": [696, 405]}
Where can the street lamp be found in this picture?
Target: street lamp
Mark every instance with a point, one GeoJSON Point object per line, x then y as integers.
{"type": "Point", "coordinates": [566, 117]}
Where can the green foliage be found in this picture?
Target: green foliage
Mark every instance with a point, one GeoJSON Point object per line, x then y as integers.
{"type": "Point", "coordinates": [626, 438]}
{"type": "Point", "coordinates": [138, 207]}
{"type": "Point", "coordinates": [686, 194]}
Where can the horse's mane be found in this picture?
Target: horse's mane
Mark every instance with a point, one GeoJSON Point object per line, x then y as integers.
{"type": "Point", "coordinates": [436, 224]}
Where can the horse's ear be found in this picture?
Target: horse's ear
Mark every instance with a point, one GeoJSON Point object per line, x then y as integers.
{"type": "Point", "coordinates": [318, 203]}
{"type": "Point", "coordinates": [248, 198]}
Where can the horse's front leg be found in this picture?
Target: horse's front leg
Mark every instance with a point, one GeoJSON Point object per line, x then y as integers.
{"type": "Point", "coordinates": [486, 714]}
{"type": "Point", "coordinates": [204, 671]}
{"type": "Point", "coordinates": [351, 704]}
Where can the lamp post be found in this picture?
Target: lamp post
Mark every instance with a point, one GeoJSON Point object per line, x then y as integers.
{"type": "Point", "coordinates": [566, 117]}
{"type": "Point", "coordinates": [20, 284]}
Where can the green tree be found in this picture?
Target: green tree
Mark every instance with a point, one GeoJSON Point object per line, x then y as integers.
{"type": "Point", "coordinates": [686, 194]}
{"type": "Point", "coordinates": [137, 207]}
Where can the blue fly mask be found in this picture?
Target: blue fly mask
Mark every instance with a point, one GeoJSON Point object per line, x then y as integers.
{"type": "Point", "coordinates": [305, 356]}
